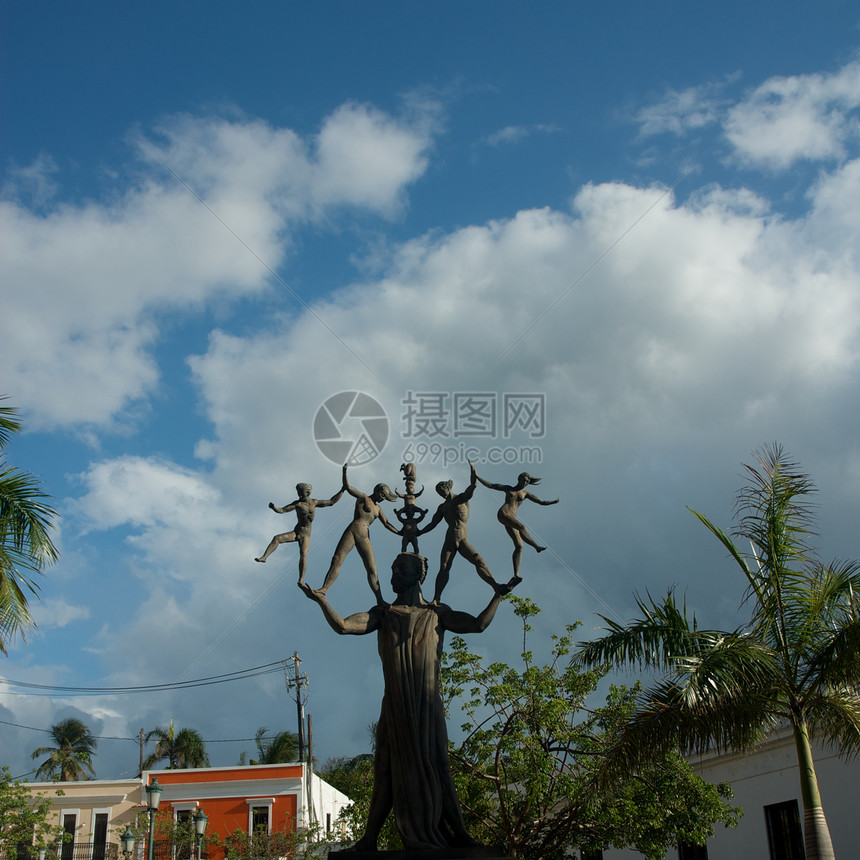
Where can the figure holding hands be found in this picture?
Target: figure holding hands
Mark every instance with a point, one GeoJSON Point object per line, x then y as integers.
{"type": "Point", "coordinates": [454, 509]}
{"type": "Point", "coordinates": [357, 535]}
{"type": "Point", "coordinates": [305, 508]}
{"type": "Point", "coordinates": [507, 513]}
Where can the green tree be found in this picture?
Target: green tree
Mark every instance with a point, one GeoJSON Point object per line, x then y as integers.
{"type": "Point", "coordinates": [796, 661]}
{"type": "Point", "coordinates": [184, 748]}
{"type": "Point", "coordinates": [72, 756]}
{"type": "Point", "coordinates": [531, 772]}
{"type": "Point", "coordinates": [297, 844]}
{"type": "Point", "coordinates": [26, 521]}
{"type": "Point", "coordinates": [280, 747]}
{"type": "Point", "coordinates": [24, 816]}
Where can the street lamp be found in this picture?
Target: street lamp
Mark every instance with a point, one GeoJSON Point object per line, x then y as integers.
{"type": "Point", "coordinates": [153, 798]}
{"type": "Point", "coordinates": [127, 840]}
{"type": "Point", "coordinates": [200, 820]}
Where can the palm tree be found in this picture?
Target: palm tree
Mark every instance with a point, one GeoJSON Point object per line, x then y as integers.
{"type": "Point", "coordinates": [184, 748]}
{"type": "Point", "coordinates": [281, 747]}
{"type": "Point", "coordinates": [72, 756]}
{"type": "Point", "coordinates": [25, 541]}
{"type": "Point", "coordinates": [796, 662]}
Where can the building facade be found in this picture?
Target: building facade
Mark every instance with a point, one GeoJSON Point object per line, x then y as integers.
{"type": "Point", "coordinates": [280, 797]}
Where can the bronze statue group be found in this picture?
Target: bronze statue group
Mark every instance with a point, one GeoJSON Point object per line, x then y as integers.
{"type": "Point", "coordinates": [454, 510]}
{"type": "Point", "coordinates": [411, 770]}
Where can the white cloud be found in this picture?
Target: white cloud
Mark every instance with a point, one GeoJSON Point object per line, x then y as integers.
{"type": "Point", "coordinates": [711, 327]}
{"type": "Point", "coordinates": [786, 119]}
{"type": "Point", "coordinates": [366, 158]}
{"type": "Point", "coordinates": [681, 111]}
{"type": "Point", "coordinates": [84, 283]}
{"type": "Point", "coordinates": [35, 181]}
{"type": "Point", "coordinates": [54, 612]}
{"type": "Point", "coordinates": [513, 134]}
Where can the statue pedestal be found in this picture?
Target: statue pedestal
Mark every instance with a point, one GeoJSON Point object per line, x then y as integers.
{"type": "Point", "coordinates": [474, 852]}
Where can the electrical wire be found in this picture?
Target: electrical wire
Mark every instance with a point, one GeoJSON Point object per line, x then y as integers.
{"type": "Point", "coordinates": [241, 674]}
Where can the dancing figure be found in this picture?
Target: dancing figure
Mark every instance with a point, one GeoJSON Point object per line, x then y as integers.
{"type": "Point", "coordinates": [357, 534]}
{"type": "Point", "coordinates": [305, 508]}
{"type": "Point", "coordinates": [455, 511]}
{"type": "Point", "coordinates": [507, 513]}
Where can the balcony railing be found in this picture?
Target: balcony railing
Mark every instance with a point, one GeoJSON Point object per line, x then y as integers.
{"type": "Point", "coordinates": [163, 849]}
{"type": "Point", "coordinates": [67, 851]}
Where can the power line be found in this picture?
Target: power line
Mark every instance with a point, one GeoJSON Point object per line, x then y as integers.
{"type": "Point", "coordinates": [241, 674]}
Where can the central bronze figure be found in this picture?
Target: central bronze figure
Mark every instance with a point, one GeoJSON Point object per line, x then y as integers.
{"type": "Point", "coordinates": [411, 770]}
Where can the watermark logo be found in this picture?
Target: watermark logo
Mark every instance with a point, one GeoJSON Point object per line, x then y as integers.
{"type": "Point", "coordinates": [446, 427]}
{"type": "Point", "coordinates": [439, 427]}
{"type": "Point", "coordinates": [351, 427]}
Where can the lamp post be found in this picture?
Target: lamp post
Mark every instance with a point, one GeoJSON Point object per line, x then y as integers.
{"type": "Point", "coordinates": [127, 841]}
{"type": "Point", "coordinates": [153, 798]}
{"type": "Point", "coordinates": [200, 820]}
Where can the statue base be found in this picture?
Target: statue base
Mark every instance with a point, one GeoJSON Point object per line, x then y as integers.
{"type": "Point", "coordinates": [472, 852]}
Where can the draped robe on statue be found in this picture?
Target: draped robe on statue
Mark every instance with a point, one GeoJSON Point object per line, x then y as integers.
{"type": "Point", "coordinates": [411, 737]}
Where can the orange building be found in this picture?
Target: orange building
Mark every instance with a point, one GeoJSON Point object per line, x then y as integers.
{"type": "Point", "coordinates": [277, 797]}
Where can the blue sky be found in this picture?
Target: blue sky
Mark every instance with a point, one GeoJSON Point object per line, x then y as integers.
{"type": "Point", "coordinates": [215, 216]}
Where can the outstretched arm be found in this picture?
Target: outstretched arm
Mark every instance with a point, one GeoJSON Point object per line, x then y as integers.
{"type": "Point", "coordinates": [533, 498]}
{"type": "Point", "coordinates": [351, 490]}
{"type": "Point", "coordinates": [477, 477]}
{"type": "Point", "coordinates": [437, 518]}
{"type": "Point", "coordinates": [463, 622]}
{"type": "Point", "coordinates": [388, 524]}
{"type": "Point", "coordinates": [324, 503]}
{"type": "Point", "coordinates": [355, 625]}
{"type": "Point", "coordinates": [285, 509]}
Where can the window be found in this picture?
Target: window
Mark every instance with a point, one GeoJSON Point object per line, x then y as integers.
{"type": "Point", "coordinates": [784, 833]}
{"type": "Point", "coordinates": [70, 823]}
{"type": "Point", "coordinates": [260, 814]}
{"type": "Point", "coordinates": [23, 851]}
{"type": "Point", "coordinates": [100, 834]}
{"type": "Point", "coordinates": [688, 851]}
{"type": "Point", "coordinates": [328, 822]}
{"type": "Point", "coordinates": [183, 845]}
{"type": "Point", "coordinates": [259, 819]}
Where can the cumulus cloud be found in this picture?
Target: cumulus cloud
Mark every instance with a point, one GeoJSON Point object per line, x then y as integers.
{"type": "Point", "coordinates": [811, 117]}
{"type": "Point", "coordinates": [90, 279]}
{"type": "Point", "coordinates": [801, 117]}
{"type": "Point", "coordinates": [709, 329]}
{"type": "Point", "coordinates": [713, 325]}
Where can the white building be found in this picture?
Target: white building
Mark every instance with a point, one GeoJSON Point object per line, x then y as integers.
{"type": "Point", "coordinates": [766, 784]}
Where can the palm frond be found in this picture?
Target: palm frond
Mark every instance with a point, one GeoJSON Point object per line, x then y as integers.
{"type": "Point", "coordinates": [26, 520]}
{"type": "Point", "coordinates": [772, 509]}
{"type": "Point", "coordinates": [832, 627]}
{"type": "Point", "coordinates": [662, 634]}
{"type": "Point", "coordinates": [664, 719]}
{"type": "Point", "coordinates": [834, 716]}
{"type": "Point", "coordinates": [9, 423]}
{"type": "Point", "coordinates": [725, 666]}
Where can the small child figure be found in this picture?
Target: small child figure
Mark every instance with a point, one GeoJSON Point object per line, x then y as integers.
{"type": "Point", "coordinates": [409, 516]}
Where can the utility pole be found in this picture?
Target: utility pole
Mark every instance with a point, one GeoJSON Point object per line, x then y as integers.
{"type": "Point", "coordinates": [297, 681]}
{"type": "Point", "coordinates": [140, 738]}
